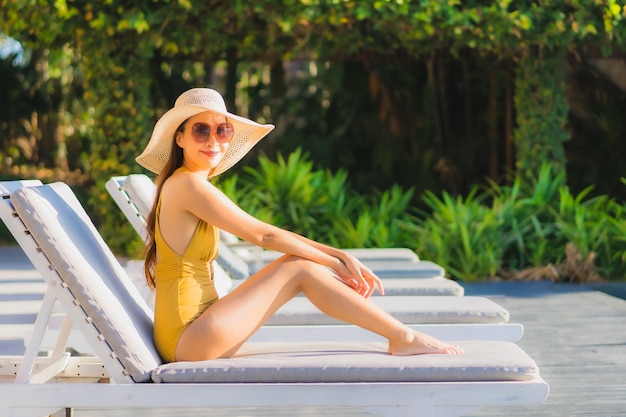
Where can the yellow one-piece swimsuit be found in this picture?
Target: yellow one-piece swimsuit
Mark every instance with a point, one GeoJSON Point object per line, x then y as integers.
{"type": "Point", "coordinates": [184, 285]}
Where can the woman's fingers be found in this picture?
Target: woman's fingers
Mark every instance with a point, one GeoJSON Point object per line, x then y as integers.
{"type": "Point", "coordinates": [361, 279]}
{"type": "Point", "coordinates": [361, 288]}
{"type": "Point", "coordinates": [367, 283]}
{"type": "Point", "coordinates": [374, 281]}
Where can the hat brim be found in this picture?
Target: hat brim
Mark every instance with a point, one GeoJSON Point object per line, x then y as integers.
{"type": "Point", "coordinates": [247, 134]}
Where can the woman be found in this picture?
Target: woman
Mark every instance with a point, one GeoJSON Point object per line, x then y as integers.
{"type": "Point", "coordinates": [197, 140]}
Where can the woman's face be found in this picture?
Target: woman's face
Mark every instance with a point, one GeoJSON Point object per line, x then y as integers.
{"type": "Point", "coordinates": [204, 140]}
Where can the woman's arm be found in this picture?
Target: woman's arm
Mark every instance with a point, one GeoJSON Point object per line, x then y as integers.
{"type": "Point", "coordinates": [347, 259]}
{"type": "Point", "coordinates": [205, 201]}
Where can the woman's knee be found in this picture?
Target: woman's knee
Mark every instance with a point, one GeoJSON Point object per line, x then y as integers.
{"type": "Point", "coordinates": [305, 266]}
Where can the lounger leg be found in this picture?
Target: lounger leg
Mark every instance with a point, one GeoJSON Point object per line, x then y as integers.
{"type": "Point", "coordinates": [64, 412]}
{"type": "Point", "coordinates": [57, 362]}
{"type": "Point", "coordinates": [41, 323]}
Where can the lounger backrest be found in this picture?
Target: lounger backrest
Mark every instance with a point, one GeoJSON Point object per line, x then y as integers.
{"type": "Point", "coordinates": [68, 238]}
{"type": "Point", "coordinates": [7, 187]}
{"type": "Point", "coordinates": [141, 189]}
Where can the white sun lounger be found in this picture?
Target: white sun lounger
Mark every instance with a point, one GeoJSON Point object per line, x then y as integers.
{"type": "Point", "coordinates": [102, 303]}
{"type": "Point", "coordinates": [445, 317]}
{"type": "Point", "coordinates": [134, 195]}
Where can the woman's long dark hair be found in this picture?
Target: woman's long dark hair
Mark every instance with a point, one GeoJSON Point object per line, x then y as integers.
{"type": "Point", "coordinates": [174, 162]}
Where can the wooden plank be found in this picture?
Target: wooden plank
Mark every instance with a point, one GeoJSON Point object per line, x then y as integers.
{"type": "Point", "coordinates": [577, 336]}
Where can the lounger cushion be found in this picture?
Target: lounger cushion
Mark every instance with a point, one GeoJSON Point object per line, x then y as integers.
{"type": "Point", "coordinates": [250, 254]}
{"type": "Point", "coordinates": [394, 269]}
{"type": "Point", "coordinates": [384, 254]}
{"type": "Point", "coordinates": [407, 309]}
{"type": "Point", "coordinates": [422, 286]}
{"type": "Point", "coordinates": [353, 362]}
{"type": "Point", "coordinates": [63, 230]}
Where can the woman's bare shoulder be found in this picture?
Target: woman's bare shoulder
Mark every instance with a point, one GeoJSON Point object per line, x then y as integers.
{"type": "Point", "coordinates": [186, 184]}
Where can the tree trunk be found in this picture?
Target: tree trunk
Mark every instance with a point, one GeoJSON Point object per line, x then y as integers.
{"type": "Point", "coordinates": [432, 83]}
{"type": "Point", "coordinates": [492, 123]}
{"type": "Point", "coordinates": [508, 120]}
{"type": "Point", "coordinates": [230, 93]}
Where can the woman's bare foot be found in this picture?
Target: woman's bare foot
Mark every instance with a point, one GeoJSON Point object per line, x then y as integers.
{"type": "Point", "coordinates": [416, 343]}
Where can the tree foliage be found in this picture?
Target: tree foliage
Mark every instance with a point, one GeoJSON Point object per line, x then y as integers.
{"type": "Point", "coordinates": [387, 99]}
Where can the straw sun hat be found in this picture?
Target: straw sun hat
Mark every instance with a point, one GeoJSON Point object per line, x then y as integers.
{"type": "Point", "coordinates": [192, 102]}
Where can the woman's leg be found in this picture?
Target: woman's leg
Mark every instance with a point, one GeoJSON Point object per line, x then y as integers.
{"type": "Point", "coordinates": [224, 327]}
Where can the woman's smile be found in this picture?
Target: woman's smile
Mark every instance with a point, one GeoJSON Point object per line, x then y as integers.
{"type": "Point", "coordinates": [211, 153]}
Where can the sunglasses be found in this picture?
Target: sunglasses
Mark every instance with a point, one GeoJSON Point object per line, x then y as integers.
{"type": "Point", "coordinates": [202, 131]}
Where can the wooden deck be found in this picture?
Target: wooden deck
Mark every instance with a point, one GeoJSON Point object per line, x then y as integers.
{"type": "Point", "coordinates": [576, 334]}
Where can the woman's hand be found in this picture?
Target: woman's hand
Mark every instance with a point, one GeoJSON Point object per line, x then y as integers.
{"type": "Point", "coordinates": [358, 277]}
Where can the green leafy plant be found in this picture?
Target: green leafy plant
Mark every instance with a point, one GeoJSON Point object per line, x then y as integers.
{"type": "Point", "coordinates": [320, 204]}
{"type": "Point", "coordinates": [375, 221]}
{"type": "Point", "coordinates": [556, 234]}
{"type": "Point", "coordinates": [582, 222]}
{"type": "Point", "coordinates": [615, 263]}
{"type": "Point", "coordinates": [461, 234]}
{"type": "Point", "coordinates": [528, 218]}
{"type": "Point", "coordinates": [290, 190]}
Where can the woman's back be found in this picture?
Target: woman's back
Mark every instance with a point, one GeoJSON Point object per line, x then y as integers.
{"type": "Point", "coordinates": [184, 284]}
